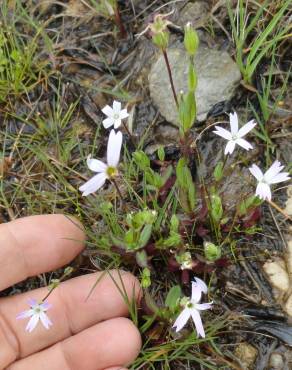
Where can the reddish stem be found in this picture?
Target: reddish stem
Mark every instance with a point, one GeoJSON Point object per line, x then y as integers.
{"type": "Point", "coordinates": [170, 76]}
{"type": "Point", "coordinates": [119, 23]}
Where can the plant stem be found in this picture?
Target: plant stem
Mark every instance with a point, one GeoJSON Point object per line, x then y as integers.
{"type": "Point", "coordinates": [119, 23]}
{"type": "Point", "coordinates": [225, 160]}
{"type": "Point", "coordinates": [66, 273]}
{"type": "Point", "coordinates": [47, 295]}
{"type": "Point", "coordinates": [130, 135]}
{"type": "Point", "coordinates": [170, 76]}
{"type": "Point", "coordinates": [117, 188]}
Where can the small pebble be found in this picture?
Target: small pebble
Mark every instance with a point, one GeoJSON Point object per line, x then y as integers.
{"type": "Point", "coordinates": [276, 361]}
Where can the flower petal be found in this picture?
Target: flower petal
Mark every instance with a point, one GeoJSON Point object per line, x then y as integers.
{"type": "Point", "coordinates": [124, 114]}
{"type": "Point", "coordinates": [204, 306]}
{"type": "Point", "coordinates": [275, 168]}
{"type": "Point", "coordinates": [229, 147]}
{"type": "Point", "coordinates": [201, 284]}
{"type": "Point", "coordinates": [223, 133]}
{"type": "Point", "coordinates": [198, 322]}
{"type": "Point", "coordinates": [284, 176]}
{"type": "Point", "coordinates": [244, 144]}
{"type": "Point", "coordinates": [92, 185]}
{"type": "Point", "coordinates": [108, 122]}
{"type": "Point", "coordinates": [45, 320]}
{"type": "Point", "coordinates": [45, 306]}
{"type": "Point", "coordinates": [196, 293]}
{"type": "Point", "coordinates": [233, 123]}
{"type": "Point", "coordinates": [256, 172]}
{"type": "Point", "coordinates": [32, 302]}
{"type": "Point", "coordinates": [32, 323]}
{"type": "Point", "coordinates": [182, 319]}
{"type": "Point", "coordinates": [246, 128]}
{"type": "Point", "coordinates": [25, 314]}
{"type": "Point", "coordinates": [95, 165]}
{"type": "Point", "coordinates": [108, 111]}
{"type": "Point", "coordinates": [263, 191]}
{"type": "Point", "coordinates": [117, 107]}
{"type": "Point", "coordinates": [114, 148]}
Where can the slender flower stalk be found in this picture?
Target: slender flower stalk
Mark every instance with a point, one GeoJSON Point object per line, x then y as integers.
{"type": "Point", "coordinates": [272, 176]}
{"type": "Point", "coordinates": [36, 313]}
{"type": "Point", "coordinates": [105, 171]}
{"type": "Point", "coordinates": [235, 135]}
{"type": "Point", "coordinates": [164, 52]}
{"type": "Point", "coordinates": [192, 308]}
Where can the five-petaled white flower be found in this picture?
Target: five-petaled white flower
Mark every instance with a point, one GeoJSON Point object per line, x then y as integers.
{"type": "Point", "coordinates": [192, 308]}
{"type": "Point", "coordinates": [271, 176]}
{"type": "Point", "coordinates": [105, 171]}
{"type": "Point", "coordinates": [235, 136]}
{"type": "Point", "coordinates": [37, 312]}
{"type": "Point", "coordinates": [114, 115]}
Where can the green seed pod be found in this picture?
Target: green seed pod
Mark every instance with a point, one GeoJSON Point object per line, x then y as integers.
{"type": "Point", "coordinates": [159, 31]}
{"type": "Point", "coordinates": [191, 40]}
{"type": "Point", "coordinates": [161, 40]}
{"type": "Point", "coordinates": [212, 251]}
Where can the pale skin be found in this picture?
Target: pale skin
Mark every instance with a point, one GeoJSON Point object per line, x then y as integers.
{"type": "Point", "coordinates": [87, 334]}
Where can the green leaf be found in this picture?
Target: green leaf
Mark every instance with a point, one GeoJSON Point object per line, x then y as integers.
{"type": "Point", "coordinates": [129, 237]}
{"type": "Point", "coordinates": [141, 160]}
{"type": "Point", "coordinates": [145, 235]}
{"type": "Point", "coordinates": [187, 111]}
{"type": "Point", "coordinates": [119, 243]}
{"type": "Point", "coordinates": [187, 191]}
{"type": "Point", "coordinates": [192, 78]}
{"type": "Point", "coordinates": [218, 172]}
{"type": "Point", "coordinates": [142, 258]}
{"type": "Point", "coordinates": [173, 297]}
{"type": "Point", "coordinates": [161, 153]}
{"type": "Point", "coordinates": [248, 203]}
{"type": "Point", "coordinates": [174, 223]}
{"type": "Point", "coordinates": [216, 208]}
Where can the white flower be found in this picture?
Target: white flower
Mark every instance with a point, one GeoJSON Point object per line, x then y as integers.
{"type": "Point", "coordinates": [36, 314]}
{"type": "Point", "coordinates": [192, 308]}
{"type": "Point", "coordinates": [114, 115]}
{"type": "Point", "coordinates": [235, 136]}
{"type": "Point", "coordinates": [105, 171]}
{"type": "Point", "coordinates": [271, 176]}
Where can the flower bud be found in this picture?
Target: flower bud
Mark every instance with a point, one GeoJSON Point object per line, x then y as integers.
{"type": "Point", "coordinates": [146, 278]}
{"type": "Point", "coordinates": [159, 31]}
{"type": "Point", "coordinates": [185, 260]}
{"type": "Point", "coordinates": [191, 40]}
{"type": "Point", "coordinates": [212, 251]}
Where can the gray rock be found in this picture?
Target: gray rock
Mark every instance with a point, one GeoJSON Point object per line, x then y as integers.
{"type": "Point", "coordinates": [218, 77]}
{"type": "Point", "coordinates": [196, 13]}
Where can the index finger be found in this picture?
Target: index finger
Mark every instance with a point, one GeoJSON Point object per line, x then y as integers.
{"type": "Point", "coordinates": [36, 244]}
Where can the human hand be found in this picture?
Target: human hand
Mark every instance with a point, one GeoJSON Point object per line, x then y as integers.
{"type": "Point", "coordinates": [87, 334]}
